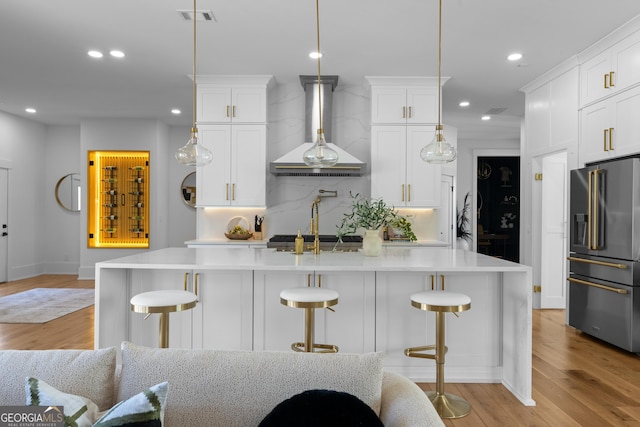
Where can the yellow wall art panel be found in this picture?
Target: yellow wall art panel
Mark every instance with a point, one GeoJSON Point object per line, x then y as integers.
{"type": "Point", "coordinates": [118, 204]}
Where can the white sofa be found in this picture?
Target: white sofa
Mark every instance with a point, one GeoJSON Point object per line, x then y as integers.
{"type": "Point", "coordinates": [216, 387]}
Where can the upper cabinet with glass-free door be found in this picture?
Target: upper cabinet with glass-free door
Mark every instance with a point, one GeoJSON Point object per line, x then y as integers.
{"type": "Point", "coordinates": [232, 123]}
{"type": "Point", "coordinates": [232, 99]}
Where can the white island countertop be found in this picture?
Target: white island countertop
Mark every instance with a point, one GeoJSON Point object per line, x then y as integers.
{"type": "Point", "coordinates": [391, 259]}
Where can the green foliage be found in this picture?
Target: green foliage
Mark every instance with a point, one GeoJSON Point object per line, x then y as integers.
{"type": "Point", "coordinates": [462, 220]}
{"type": "Point", "coordinates": [371, 214]}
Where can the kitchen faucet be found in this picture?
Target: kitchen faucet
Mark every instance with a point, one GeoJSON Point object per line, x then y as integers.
{"type": "Point", "coordinates": [315, 218]}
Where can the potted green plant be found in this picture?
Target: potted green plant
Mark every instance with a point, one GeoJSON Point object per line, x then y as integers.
{"type": "Point", "coordinates": [371, 214]}
{"type": "Point", "coordinates": [462, 222]}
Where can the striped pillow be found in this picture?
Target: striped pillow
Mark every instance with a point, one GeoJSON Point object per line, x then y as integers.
{"type": "Point", "coordinates": [145, 409]}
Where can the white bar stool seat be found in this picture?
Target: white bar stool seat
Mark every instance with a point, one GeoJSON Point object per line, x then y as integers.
{"type": "Point", "coordinates": [163, 302]}
{"type": "Point", "coordinates": [309, 299]}
{"type": "Point", "coordinates": [447, 405]}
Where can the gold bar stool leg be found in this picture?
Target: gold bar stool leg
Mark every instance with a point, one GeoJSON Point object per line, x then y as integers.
{"type": "Point", "coordinates": [447, 405]}
{"type": "Point", "coordinates": [309, 328]}
{"type": "Point", "coordinates": [164, 330]}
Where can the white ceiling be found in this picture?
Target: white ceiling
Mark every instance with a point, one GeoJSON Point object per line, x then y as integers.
{"type": "Point", "coordinates": [43, 60]}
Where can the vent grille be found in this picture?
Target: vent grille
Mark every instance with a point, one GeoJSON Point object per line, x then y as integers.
{"type": "Point", "coordinates": [201, 15]}
{"type": "Point", "coordinates": [495, 111]}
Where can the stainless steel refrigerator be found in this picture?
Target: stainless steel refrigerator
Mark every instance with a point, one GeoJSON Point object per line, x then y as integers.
{"type": "Point", "coordinates": [604, 285]}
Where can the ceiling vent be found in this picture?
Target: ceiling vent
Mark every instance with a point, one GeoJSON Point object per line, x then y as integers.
{"type": "Point", "coordinates": [495, 111]}
{"type": "Point", "coordinates": [201, 15]}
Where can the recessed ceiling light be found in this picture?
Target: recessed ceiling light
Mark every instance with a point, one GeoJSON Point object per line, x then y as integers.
{"type": "Point", "coordinates": [514, 57]}
{"type": "Point", "coordinates": [95, 54]}
{"type": "Point", "coordinates": [486, 118]}
{"type": "Point", "coordinates": [176, 111]}
{"type": "Point", "coordinates": [30, 110]}
{"type": "Point", "coordinates": [315, 55]}
{"type": "Point", "coordinates": [117, 53]}
{"type": "Point", "coordinates": [464, 103]}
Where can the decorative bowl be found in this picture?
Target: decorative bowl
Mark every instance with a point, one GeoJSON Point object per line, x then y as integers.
{"type": "Point", "coordinates": [238, 236]}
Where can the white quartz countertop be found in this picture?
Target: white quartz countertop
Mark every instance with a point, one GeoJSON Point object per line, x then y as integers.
{"type": "Point", "coordinates": [245, 258]}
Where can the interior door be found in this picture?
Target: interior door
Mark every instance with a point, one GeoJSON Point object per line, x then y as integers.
{"type": "Point", "coordinates": [4, 231]}
{"type": "Point", "coordinates": [553, 231]}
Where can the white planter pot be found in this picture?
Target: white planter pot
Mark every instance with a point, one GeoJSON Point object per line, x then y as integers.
{"type": "Point", "coordinates": [372, 243]}
{"type": "Point", "coordinates": [462, 244]}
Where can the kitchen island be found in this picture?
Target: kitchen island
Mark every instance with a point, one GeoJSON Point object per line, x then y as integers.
{"type": "Point", "coordinates": [239, 306]}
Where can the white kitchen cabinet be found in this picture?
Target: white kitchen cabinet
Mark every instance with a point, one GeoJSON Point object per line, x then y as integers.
{"type": "Point", "coordinates": [232, 99]}
{"type": "Point", "coordinates": [612, 71]}
{"type": "Point", "coordinates": [350, 326]}
{"type": "Point", "coordinates": [398, 173]}
{"type": "Point", "coordinates": [610, 128]}
{"type": "Point", "coordinates": [222, 319]}
{"type": "Point", "coordinates": [237, 175]}
{"type": "Point", "coordinates": [401, 105]}
{"type": "Point", "coordinates": [400, 325]}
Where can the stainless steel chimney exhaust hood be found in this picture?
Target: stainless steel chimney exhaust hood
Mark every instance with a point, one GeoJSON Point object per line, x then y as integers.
{"type": "Point", "coordinates": [291, 163]}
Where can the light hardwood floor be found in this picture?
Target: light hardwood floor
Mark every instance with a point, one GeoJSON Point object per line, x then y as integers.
{"type": "Point", "coordinates": [577, 380]}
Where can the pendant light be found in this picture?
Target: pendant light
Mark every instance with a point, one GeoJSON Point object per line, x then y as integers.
{"type": "Point", "coordinates": [439, 150]}
{"type": "Point", "coordinates": [320, 155]}
{"type": "Point", "coordinates": [192, 153]}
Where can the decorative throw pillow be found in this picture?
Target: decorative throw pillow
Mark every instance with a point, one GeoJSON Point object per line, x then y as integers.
{"type": "Point", "coordinates": [145, 409]}
{"type": "Point", "coordinates": [320, 408]}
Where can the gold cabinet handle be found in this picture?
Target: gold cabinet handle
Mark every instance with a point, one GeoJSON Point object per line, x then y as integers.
{"type": "Point", "coordinates": [409, 193]}
{"type": "Point", "coordinates": [186, 279]}
{"type": "Point", "coordinates": [594, 262]}
{"type": "Point", "coordinates": [233, 114]}
{"type": "Point", "coordinates": [227, 192]}
{"type": "Point", "coordinates": [433, 282]}
{"type": "Point", "coordinates": [197, 284]}
{"type": "Point", "coordinates": [611, 83]}
{"type": "Point", "coordinates": [596, 285]}
{"type": "Point", "coordinates": [404, 112]}
{"type": "Point", "coordinates": [610, 139]}
{"type": "Point", "coordinates": [442, 282]}
{"type": "Point", "coordinates": [228, 106]}
{"type": "Point", "coordinates": [604, 142]}
{"type": "Point", "coordinates": [319, 280]}
{"type": "Point", "coordinates": [403, 192]}
{"type": "Point", "coordinates": [233, 191]}
{"type": "Point", "coordinates": [606, 81]}
{"type": "Point", "coordinates": [410, 113]}
{"type": "Point", "coordinates": [308, 280]}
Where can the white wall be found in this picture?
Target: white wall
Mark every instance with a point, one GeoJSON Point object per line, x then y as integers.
{"type": "Point", "coordinates": [62, 236]}
{"type": "Point", "coordinates": [23, 148]}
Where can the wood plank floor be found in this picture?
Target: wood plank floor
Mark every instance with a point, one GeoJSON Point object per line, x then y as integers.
{"type": "Point", "coordinates": [577, 380]}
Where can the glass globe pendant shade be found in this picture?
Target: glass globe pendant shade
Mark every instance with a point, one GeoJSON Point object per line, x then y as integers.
{"type": "Point", "coordinates": [320, 155]}
{"type": "Point", "coordinates": [438, 150]}
{"type": "Point", "coordinates": [192, 153]}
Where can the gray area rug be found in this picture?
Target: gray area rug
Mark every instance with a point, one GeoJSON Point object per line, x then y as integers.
{"type": "Point", "coordinates": [41, 305]}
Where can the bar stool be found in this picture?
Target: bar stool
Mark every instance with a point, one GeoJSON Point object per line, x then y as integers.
{"type": "Point", "coordinates": [163, 302]}
{"type": "Point", "coordinates": [310, 298]}
{"type": "Point", "coordinates": [447, 405]}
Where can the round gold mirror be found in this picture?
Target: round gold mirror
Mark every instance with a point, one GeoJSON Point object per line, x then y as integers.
{"type": "Point", "coordinates": [68, 192]}
{"type": "Point", "coordinates": [188, 190]}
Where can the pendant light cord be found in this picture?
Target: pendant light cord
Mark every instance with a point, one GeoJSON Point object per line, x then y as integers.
{"type": "Point", "coordinates": [439, 62]}
{"type": "Point", "coordinates": [195, 19]}
{"type": "Point", "coordinates": [319, 54]}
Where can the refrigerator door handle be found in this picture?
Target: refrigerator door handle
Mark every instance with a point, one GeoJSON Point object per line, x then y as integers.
{"type": "Point", "coordinates": [593, 219]}
{"type": "Point", "coordinates": [595, 285]}
{"type": "Point", "coordinates": [591, 261]}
